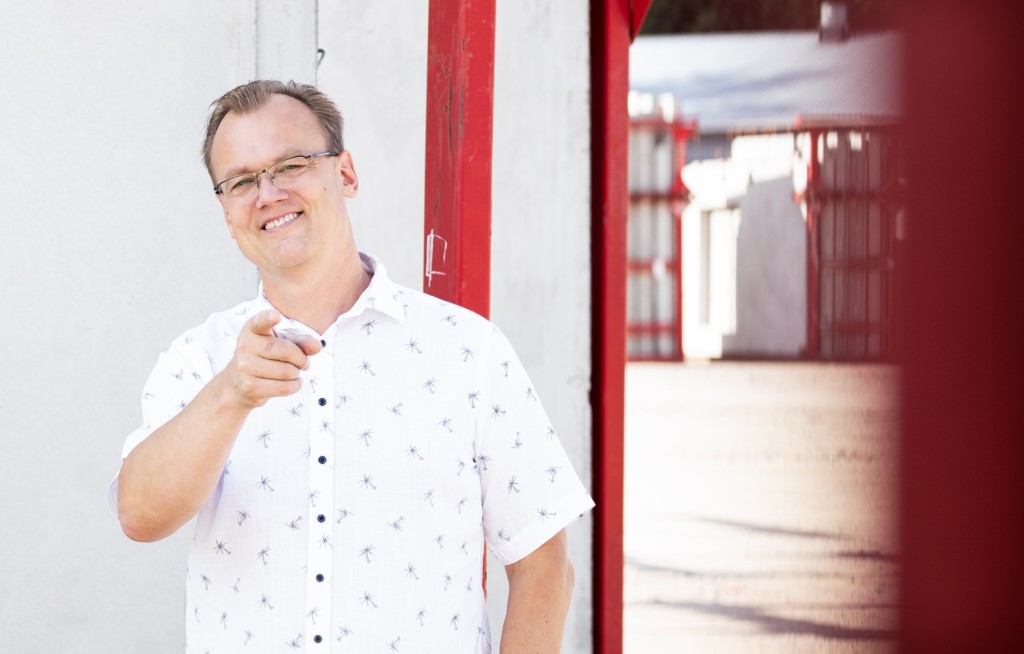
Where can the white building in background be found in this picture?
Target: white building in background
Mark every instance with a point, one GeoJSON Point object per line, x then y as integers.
{"type": "Point", "coordinates": [755, 98]}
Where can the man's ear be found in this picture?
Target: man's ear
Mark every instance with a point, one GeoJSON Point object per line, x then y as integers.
{"type": "Point", "coordinates": [347, 170]}
{"type": "Point", "coordinates": [227, 216]}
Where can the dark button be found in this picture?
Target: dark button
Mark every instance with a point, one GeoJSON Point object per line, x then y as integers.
{"type": "Point", "coordinates": [322, 401]}
{"type": "Point", "coordinates": [319, 577]}
{"type": "Point", "coordinates": [324, 343]}
{"type": "Point", "coordinates": [317, 638]}
{"type": "Point", "coordinates": [321, 518]}
{"type": "Point", "coordinates": [322, 459]}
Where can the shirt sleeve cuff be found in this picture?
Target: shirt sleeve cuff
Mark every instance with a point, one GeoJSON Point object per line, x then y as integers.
{"type": "Point", "coordinates": [571, 508]}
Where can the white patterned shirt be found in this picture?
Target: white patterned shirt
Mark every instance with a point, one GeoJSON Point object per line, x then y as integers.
{"type": "Point", "coordinates": [352, 515]}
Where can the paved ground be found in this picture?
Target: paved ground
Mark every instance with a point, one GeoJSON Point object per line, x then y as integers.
{"type": "Point", "coordinates": [759, 508]}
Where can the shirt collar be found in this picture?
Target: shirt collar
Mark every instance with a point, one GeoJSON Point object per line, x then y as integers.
{"type": "Point", "coordinates": [381, 294]}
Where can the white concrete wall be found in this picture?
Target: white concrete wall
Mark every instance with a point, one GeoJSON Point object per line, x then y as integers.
{"type": "Point", "coordinates": [114, 245]}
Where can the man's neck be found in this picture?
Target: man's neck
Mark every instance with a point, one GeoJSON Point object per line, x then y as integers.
{"type": "Point", "coordinates": [317, 298]}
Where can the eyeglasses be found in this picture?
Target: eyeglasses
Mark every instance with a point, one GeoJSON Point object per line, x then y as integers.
{"type": "Point", "coordinates": [281, 175]}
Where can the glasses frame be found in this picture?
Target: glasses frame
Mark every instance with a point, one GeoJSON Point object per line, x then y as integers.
{"type": "Point", "coordinates": [219, 187]}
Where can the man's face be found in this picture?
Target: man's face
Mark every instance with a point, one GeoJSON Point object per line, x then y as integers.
{"type": "Point", "coordinates": [283, 230]}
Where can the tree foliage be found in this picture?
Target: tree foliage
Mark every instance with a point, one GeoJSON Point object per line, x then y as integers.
{"type": "Point", "coordinates": [693, 16]}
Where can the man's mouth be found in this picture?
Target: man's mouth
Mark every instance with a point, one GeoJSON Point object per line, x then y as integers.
{"type": "Point", "coordinates": [283, 220]}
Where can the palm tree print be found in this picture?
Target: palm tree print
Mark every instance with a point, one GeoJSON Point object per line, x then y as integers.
{"type": "Point", "coordinates": [518, 443]}
{"type": "Point", "coordinates": [414, 451]}
{"type": "Point", "coordinates": [343, 513]}
{"type": "Point", "coordinates": [264, 437]}
{"type": "Point", "coordinates": [467, 353]}
{"type": "Point", "coordinates": [264, 484]}
{"type": "Point", "coordinates": [366, 436]}
{"type": "Point", "coordinates": [313, 613]}
{"type": "Point", "coordinates": [263, 555]}
{"type": "Point", "coordinates": [221, 548]}
{"type": "Point", "coordinates": [447, 580]}
{"type": "Point", "coordinates": [497, 411]}
{"type": "Point", "coordinates": [367, 552]}
{"type": "Point", "coordinates": [421, 616]}
{"type": "Point", "coordinates": [454, 622]}
{"type": "Point", "coordinates": [368, 326]}
{"type": "Point", "coordinates": [367, 599]}
{"type": "Point", "coordinates": [367, 482]}
{"type": "Point", "coordinates": [294, 524]}
{"type": "Point", "coordinates": [393, 645]}
{"type": "Point", "coordinates": [396, 410]}
{"type": "Point", "coordinates": [446, 423]}
{"type": "Point", "coordinates": [513, 485]}
{"type": "Point", "coordinates": [473, 397]}
{"type": "Point", "coordinates": [504, 366]}
{"type": "Point", "coordinates": [224, 619]}
{"type": "Point", "coordinates": [450, 319]}
{"type": "Point", "coordinates": [552, 473]}
{"type": "Point", "coordinates": [413, 346]}
{"type": "Point", "coordinates": [242, 517]}
{"type": "Point", "coordinates": [397, 523]}
{"type": "Point", "coordinates": [430, 385]}
{"type": "Point", "coordinates": [410, 571]}
{"type": "Point", "coordinates": [296, 411]}
{"type": "Point", "coordinates": [429, 496]}
{"type": "Point", "coordinates": [265, 603]}
{"type": "Point", "coordinates": [343, 632]}
{"type": "Point", "coordinates": [367, 368]}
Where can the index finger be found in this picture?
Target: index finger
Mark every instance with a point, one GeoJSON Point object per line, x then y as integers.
{"type": "Point", "coordinates": [263, 322]}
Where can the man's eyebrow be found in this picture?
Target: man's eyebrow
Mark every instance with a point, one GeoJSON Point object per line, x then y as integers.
{"type": "Point", "coordinates": [241, 170]}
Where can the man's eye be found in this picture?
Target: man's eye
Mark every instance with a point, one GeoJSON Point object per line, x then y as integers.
{"type": "Point", "coordinates": [239, 184]}
{"type": "Point", "coordinates": [290, 168]}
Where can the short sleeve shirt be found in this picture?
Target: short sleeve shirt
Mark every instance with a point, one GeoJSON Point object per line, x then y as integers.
{"type": "Point", "coordinates": [352, 516]}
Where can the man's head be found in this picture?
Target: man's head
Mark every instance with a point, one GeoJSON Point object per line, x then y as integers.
{"type": "Point", "coordinates": [282, 178]}
{"type": "Point", "coordinates": [253, 95]}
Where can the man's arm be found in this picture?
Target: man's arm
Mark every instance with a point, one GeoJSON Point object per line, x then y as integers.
{"type": "Point", "coordinates": [168, 477]}
{"type": "Point", "coordinates": [539, 590]}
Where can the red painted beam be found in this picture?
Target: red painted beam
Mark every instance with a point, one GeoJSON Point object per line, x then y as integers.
{"type": "Point", "coordinates": [811, 348]}
{"type": "Point", "coordinates": [610, 36]}
{"type": "Point", "coordinates": [460, 112]}
{"type": "Point", "coordinates": [963, 428]}
{"type": "Point", "coordinates": [638, 11]}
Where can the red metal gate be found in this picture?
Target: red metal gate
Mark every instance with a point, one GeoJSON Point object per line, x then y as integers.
{"type": "Point", "coordinates": [855, 220]}
{"type": "Point", "coordinates": [657, 197]}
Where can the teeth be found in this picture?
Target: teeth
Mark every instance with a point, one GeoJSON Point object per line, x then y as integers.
{"type": "Point", "coordinates": [281, 221]}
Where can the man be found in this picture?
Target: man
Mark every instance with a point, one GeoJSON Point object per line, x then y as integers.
{"type": "Point", "coordinates": [347, 445]}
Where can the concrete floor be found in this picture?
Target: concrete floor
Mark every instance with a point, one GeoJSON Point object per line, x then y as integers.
{"type": "Point", "coordinates": [760, 505]}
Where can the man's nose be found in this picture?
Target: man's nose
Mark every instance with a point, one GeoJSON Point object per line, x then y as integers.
{"type": "Point", "coordinates": [266, 191]}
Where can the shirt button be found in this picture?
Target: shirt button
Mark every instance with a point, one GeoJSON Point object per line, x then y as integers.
{"type": "Point", "coordinates": [321, 518]}
{"type": "Point", "coordinates": [322, 401]}
{"type": "Point", "coordinates": [322, 459]}
{"type": "Point", "coordinates": [317, 638]}
{"type": "Point", "coordinates": [323, 342]}
{"type": "Point", "coordinates": [319, 577]}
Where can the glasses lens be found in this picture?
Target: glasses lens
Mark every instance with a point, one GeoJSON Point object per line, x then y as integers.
{"type": "Point", "coordinates": [238, 186]}
{"type": "Point", "coordinates": [289, 168]}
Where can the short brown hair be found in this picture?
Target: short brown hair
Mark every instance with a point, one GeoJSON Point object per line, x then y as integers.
{"type": "Point", "coordinates": [251, 96]}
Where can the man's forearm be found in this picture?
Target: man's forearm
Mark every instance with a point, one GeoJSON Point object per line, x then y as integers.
{"type": "Point", "coordinates": [167, 478]}
{"type": "Point", "coordinates": [540, 587]}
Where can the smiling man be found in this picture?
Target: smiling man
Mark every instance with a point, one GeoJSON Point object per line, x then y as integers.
{"type": "Point", "coordinates": [348, 446]}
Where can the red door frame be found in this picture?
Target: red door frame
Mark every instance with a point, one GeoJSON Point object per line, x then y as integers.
{"type": "Point", "coordinates": [613, 26]}
{"type": "Point", "coordinates": [460, 106]}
